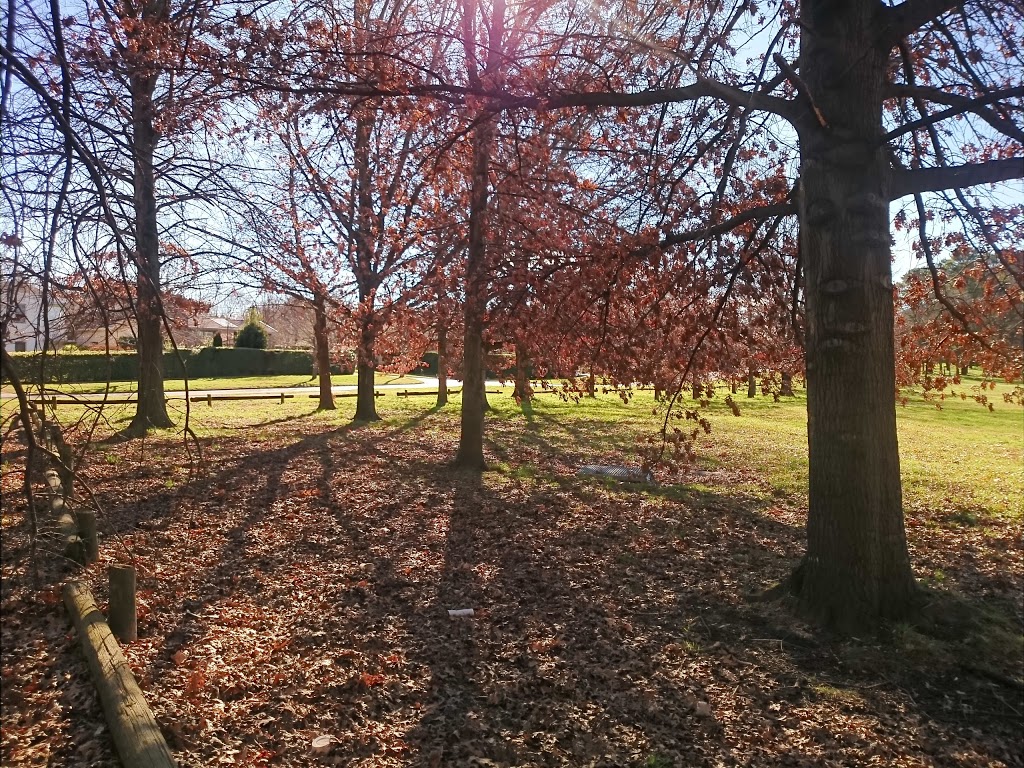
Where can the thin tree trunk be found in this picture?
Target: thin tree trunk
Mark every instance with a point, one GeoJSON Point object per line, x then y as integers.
{"type": "Point", "coordinates": [151, 408]}
{"type": "Point", "coordinates": [323, 353]}
{"type": "Point", "coordinates": [787, 384]}
{"type": "Point", "coordinates": [442, 364]}
{"type": "Point", "coordinates": [751, 383]}
{"type": "Point", "coordinates": [592, 384]}
{"type": "Point", "coordinates": [471, 436]}
{"type": "Point", "coordinates": [366, 400]}
{"type": "Point", "coordinates": [366, 279]}
{"type": "Point", "coordinates": [522, 391]}
{"type": "Point", "coordinates": [698, 390]}
{"type": "Point", "coordinates": [857, 568]}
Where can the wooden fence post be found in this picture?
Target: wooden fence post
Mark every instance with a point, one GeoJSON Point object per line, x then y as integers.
{"type": "Point", "coordinates": [123, 619]}
{"type": "Point", "coordinates": [87, 532]}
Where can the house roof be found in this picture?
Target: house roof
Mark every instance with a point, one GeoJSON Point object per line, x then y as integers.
{"type": "Point", "coordinates": [207, 323]}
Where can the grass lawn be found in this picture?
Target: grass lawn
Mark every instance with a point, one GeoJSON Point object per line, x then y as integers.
{"type": "Point", "coordinates": [295, 581]}
{"type": "Point", "coordinates": [234, 382]}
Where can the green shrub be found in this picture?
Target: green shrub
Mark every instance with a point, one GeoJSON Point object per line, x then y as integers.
{"type": "Point", "coordinates": [252, 336]}
{"type": "Point", "coordinates": [207, 362]}
{"type": "Point", "coordinates": [217, 340]}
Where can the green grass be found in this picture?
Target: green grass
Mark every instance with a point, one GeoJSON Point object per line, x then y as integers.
{"type": "Point", "coordinates": [963, 464]}
{"type": "Point", "coordinates": [235, 382]}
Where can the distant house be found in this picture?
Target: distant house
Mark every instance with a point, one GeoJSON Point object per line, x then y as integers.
{"type": "Point", "coordinates": [201, 330]}
{"type": "Point", "coordinates": [208, 326]}
{"type": "Point", "coordinates": [21, 318]}
{"type": "Point", "coordinates": [118, 335]}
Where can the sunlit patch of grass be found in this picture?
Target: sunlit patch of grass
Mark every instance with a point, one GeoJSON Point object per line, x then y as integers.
{"type": "Point", "coordinates": [845, 696]}
{"type": "Point", "coordinates": [963, 466]}
{"type": "Point", "coordinates": [229, 382]}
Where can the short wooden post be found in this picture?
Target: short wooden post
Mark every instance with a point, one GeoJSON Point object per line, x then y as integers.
{"type": "Point", "coordinates": [282, 398]}
{"type": "Point", "coordinates": [87, 532]}
{"type": "Point", "coordinates": [209, 399]}
{"type": "Point", "coordinates": [123, 620]}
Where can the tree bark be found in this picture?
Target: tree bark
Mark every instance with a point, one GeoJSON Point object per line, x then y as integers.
{"type": "Point", "coordinates": [787, 384]}
{"type": "Point", "coordinates": [856, 571]}
{"type": "Point", "coordinates": [366, 278]}
{"type": "Point", "coordinates": [471, 436]}
{"type": "Point", "coordinates": [442, 365]}
{"type": "Point", "coordinates": [151, 408]}
{"type": "Point", "coordinates": [751, 383]}
{"type": "Point", "coordinates": [323, 352]}
{"type": "Point", "coordinates": [522, 391]}
{"type": "Point", "coordinates": [366, 400]}
{"type": "Point", "coordinates": [592, 384]}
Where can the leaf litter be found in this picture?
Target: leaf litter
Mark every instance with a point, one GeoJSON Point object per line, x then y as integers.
{"type": "Point", "coordinates": [294, 611]}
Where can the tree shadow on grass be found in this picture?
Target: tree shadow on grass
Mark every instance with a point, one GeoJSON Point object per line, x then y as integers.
{"type": "Point", "coordinates": [415, 421]}
{"type": "Point", "coordinates": [271, 422]}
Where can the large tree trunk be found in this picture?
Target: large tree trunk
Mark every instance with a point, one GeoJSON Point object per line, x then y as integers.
{"type": "Point", "coordinates": [151, 409]}
{"type": "Point", "coordinates": [857, 568]}
{"type": "Point", "coordinates": [442, 364]}
{"type": "Point", "coordinates": [323, 353]}
{"type": "Point", "coordinates": [471, 436]}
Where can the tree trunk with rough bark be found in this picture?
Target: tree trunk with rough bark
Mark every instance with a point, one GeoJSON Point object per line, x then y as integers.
{"type": "Point", "coordinates": [787, 384]}
{"type": "Point", "coordinates": [151, 408]}
{"type": "Point", "coordinates": [323, 353]}
{"type": "Point", "coordinates": [751, 383]}
{"type": "Point", "coordinates": [471, 436]}
{"type": "Point", "coordinates": [522, 391]}
{"type": "Point", "coordinates": [366, 400]}
{"type": "Point", "coordinates": [366, 278]}
{"type": "Point", "coordinates": [856, 571]}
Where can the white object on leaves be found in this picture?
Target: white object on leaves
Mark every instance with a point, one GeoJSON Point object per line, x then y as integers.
{"type": "Point", "coordinates": [458, 613]}
{"type": "Point", "coordinates": [322, 744]}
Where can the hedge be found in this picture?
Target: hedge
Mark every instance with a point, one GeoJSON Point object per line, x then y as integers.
{"type": "Point", "coordinates": [204, 363]}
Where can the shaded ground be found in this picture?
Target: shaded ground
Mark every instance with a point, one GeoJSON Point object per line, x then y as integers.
{"type": "Point", "coordinates": [301, 587]}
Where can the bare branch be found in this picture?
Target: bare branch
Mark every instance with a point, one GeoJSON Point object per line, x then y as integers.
{"type": "Point", "coordinates": [909, 16]}
{"type": "Point", "coordinates": [703, 88]}
{"type": "Point", "coordinates": [908, 182]}
{"type": "Point", "coordinates": [958, 105]}
{"type": "Point", "coordinates": [762, 212]}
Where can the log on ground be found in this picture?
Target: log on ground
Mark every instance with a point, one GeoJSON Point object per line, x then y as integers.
{"type": "Point", "coordinates": [137, 737]}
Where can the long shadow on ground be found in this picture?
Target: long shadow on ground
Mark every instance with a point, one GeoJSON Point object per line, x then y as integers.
{"type": "Point", "coordinates": [303, 589]}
